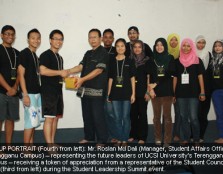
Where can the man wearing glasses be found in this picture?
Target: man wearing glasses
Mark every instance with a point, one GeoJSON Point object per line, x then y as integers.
{"type": "Point", "coordinates": [52, 73]}
{"type": "Point", "coordinates": [9, 101]}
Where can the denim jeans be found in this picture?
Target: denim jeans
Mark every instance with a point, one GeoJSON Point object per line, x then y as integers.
{"type": "Point", "coordinates": [217, 98]}
{"type": "Point", "coordinates": [122, 119]}
{"type": "Point", "coordinates": [189, 117]}
{"type": "Point", "coordinates": [110, 119]}
{"type": "Point", "coordinates": [94, 119]}
{"type": "Point", "coordinates": [177, 122]}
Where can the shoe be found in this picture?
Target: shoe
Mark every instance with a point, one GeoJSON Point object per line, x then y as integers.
{"type": "Point", "coordinates": [166, 145]}
{"type": "Point", "coordinates": [83, 141]}
{"type": "Point", "coordinates": [219, 141]}
{"type": "Point", "coordinates": [98, 145]}
{"type": "Point", "coordinates": [114, 140]}
{"type": "Point", "coordinates": [183, 143]}
{"type": "Point", "coordinates": [141, 142]}
{"type": "Point", "coordinates": [118, 143]}
{"type": "Point", "coordinates": [201, 141]}
{"type": "Point", "coordinates": [124, 143]}
{"type": "Point", "coordinates": [176, 139]}
{"type": "Point", "coordinates": [158, 143]}
{"type": "Point", "coordinates": [130, 140]}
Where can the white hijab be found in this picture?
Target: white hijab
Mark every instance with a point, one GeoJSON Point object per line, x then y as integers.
{"type": "Point", "coordinates": [202, 54]}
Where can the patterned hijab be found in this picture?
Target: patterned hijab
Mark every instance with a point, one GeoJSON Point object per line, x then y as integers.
{"type": "Point", "coordinates": [202, 54]}
{"type": "Point", "coordinates": [190, 58]}
{"type": "Point", "coordinates": [174, 51]}
{"type": "Point", "coordinates": [140, 59]}
{"type": "Point", "coordinates": [217, 60]}
{"type": "Point", "coordinates": [161, 58]}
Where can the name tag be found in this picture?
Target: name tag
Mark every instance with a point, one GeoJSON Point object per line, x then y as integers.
{"type": "Point", "coordinates": [184, 78]}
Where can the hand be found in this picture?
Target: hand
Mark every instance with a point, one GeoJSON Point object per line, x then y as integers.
{"type": "Point", "coordinates": [11, 92]}
{"type": "Point", "coordinates": [26, 101]}
{"type": "Point", "coordinates": [133, 99]}
{"type": "Point", "coordinates": [79, 83]}
{"type": "Point", "coordinates": [202, 98]}
{"type": "Point", "coordinates": [152, 86]}
{"type": "Point", "coordinates": [146, 97]}
{"type": "Point", "coordinates": [152, 94]}
{"type": "Point", "coordinates": [64, 73]}
{"type": "Point", "coordinates": [174, 99]}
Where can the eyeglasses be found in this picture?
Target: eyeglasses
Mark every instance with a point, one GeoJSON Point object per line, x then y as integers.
{"type": "Point", "coordinates": [57, 39]}
{"type": "Point", "coordinates": [9, 34]}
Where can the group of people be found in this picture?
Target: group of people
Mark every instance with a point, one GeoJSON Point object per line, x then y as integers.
{"type": "Point", "coordinates": [115, 85]}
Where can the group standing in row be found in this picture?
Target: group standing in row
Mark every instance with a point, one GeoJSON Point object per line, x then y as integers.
{"type": "Point", "coordinates": [115, 86]}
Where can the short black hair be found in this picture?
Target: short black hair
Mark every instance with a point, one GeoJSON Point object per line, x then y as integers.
{"type": "Point", "coordinates": [56, 32]}
{"type": "Point", "coordinates": [133, 28]}
{"type": "Point", "coordinates": [33, 31]}
{"type": "Point", "coordinates": [7, 27]}
{"type": "Point", "coordinates": [120, 40]}
{"type": "Point", "coordinates": [108, 31]}
{"type": "Point", "coordinates": [95, 30]}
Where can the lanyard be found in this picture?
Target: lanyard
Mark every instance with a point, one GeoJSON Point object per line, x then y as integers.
{"type": "Point", "coordinates": [110, 50]}
{"type": "Point", "coordinates": [185, 70]}
{"type": "Point", "coordinates": [10, 58]}
{"type": "Point", "coordinates": [118, 68]}
{"type": "Point", "coordinates": [59, 62]}
{"type": "Point", "coordinates": [35, 59]}
{"type": "Point", "coordinates": [158, 65]}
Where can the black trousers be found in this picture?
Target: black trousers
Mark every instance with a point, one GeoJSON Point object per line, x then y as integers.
{"type": "Point", "coordinates": [139, 122]}
{"type": "Point", "coordinates": [94, 119]}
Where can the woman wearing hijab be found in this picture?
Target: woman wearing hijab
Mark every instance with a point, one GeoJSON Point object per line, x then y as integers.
{"type": "Point", "coordinates": [162, 102]}
{"type": "Point", "coordinates": [216, 67]}
{"type": "Point", "coordinates": [139, 124]}
{"type": "Point", "coordinates": [189, 88]}
{"type": "Point", "coordinates": [204, 106]}
{"type": "Point", "coordinates": [173, 42]}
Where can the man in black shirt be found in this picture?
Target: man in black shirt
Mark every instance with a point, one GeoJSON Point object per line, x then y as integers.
{"type": "Point", "coordinates": [51, 70]}
{"type": "Point", "coordinates": [108, 39]}
{"type": "Point", "coordinates": [92, 88]}
{"type": "Point", "coordinates": [9, 102]}
{"type": "Point", "coordinates": [30, 85]}
{"type": "Point", "coordinates": [133, 34]}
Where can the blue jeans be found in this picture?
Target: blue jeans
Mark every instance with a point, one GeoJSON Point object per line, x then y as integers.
{"type": "Point", "coordinates": [189, 117]}
{"type": "Point", "coordinates": [217, 98]}
{"type": "Point", "coordinates": [110, 119]}
{"type": "Point", "coordinates": [177, 122]}
{"type": "Point", "coordinates": [122, 119]}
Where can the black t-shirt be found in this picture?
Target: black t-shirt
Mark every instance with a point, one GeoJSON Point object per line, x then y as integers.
{"type": "Point", "coordinates": [111, 51]}
{"type": "Point", "coordinates": [51, 84]}
{"type": "Point", "coordinates": [30, 62]}
{"type": "Point", "coordinates": [129, 70]}
{"type": "Point", "coordinates": [165, 83]}
{"type": "Point", "coordinates": [6, 66]}
{"type": "Point", "coordinates": [216, 83]}
{"type": "Point", "coordinates": [92, 60]}
{"type": "Point", "coordinates": [191, 90]}
{"type": "Point", "coordinates": [141, 77]}
{"type": "Point", "coordinates": [148, 51]}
